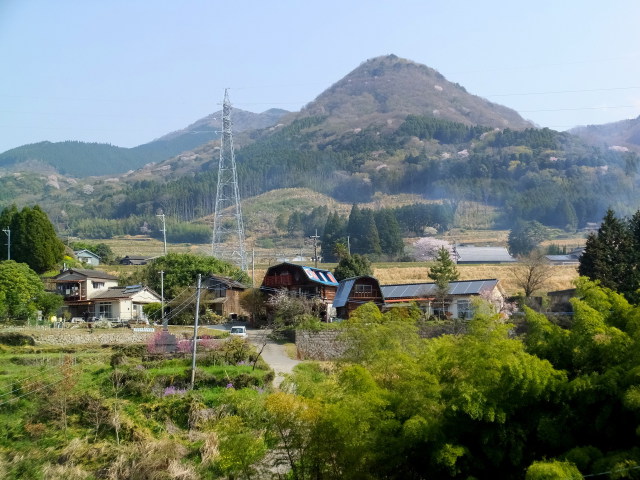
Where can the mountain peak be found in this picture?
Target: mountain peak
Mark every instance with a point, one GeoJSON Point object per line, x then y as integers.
{"type": "Point", "coordinates": [389, 87]}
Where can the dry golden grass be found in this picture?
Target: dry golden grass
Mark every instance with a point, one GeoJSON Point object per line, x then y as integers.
{"type": "Point", "coordinates": [393, 273]}
{"type": "Point", "coordinates": [563, 275]}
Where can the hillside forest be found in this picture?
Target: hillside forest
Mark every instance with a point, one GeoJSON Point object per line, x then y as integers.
{"type": "Point", "coordinates": [529, 175]}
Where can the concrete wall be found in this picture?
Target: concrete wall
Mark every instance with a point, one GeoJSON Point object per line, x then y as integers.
{"type": "Point", "coordinates": [323, 345]}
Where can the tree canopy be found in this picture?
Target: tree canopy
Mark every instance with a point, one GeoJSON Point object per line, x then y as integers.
{"type": "Point", "coordinates": [33, 238]}
{"type": "Point", "coordinates": [181, 269]}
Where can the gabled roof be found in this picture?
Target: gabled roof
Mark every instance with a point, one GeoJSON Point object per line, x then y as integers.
{"type": "Point", "coordinates": [229, 282]}
{"type": "Point", "coordinates": [123, 292]}
{"type": "Point", "coordinates": [86, 253]}
{"type": "Point", "coordinates": [316, 275]}
{"type": "Point", "coordinates": [423, 290]}
{"type": "Point", "coordinates": [80, 274]}
{"type": "Point", "coordinates": [344, 289]}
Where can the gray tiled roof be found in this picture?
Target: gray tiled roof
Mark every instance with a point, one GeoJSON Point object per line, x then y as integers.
{"type": "Point", "coordinates": [75, 274]}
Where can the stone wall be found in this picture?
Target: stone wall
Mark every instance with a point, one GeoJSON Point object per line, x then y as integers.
{"type": "Point", "coordinates": [85, 337]}
{"type": "Point", "coordinates": [323, 345]}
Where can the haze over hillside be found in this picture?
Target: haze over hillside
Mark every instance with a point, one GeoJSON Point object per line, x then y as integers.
{"type": "Point", "coordinates": [389, 127]}
{"type": "Point", "coordinates": [621, 135]}
{"type": "Point", "coordinates": [81, 159]}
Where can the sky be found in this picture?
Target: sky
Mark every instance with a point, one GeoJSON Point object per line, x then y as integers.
{"type": "Point", "coordinates": [126, 72]}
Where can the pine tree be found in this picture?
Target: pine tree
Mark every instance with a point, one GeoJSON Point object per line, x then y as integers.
{"type": "Point", "coordinates": [444, 269]}
{"type": "Point", "coordinates": [369, 242]}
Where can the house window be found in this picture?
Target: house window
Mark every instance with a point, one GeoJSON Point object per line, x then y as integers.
{"type": "Point", "coordinates": [218, 290]}
{"type": "Point", "coordinates": [104, 309]}
{"type": "Point", "coordinates": [97, 285]}
{"type": "Point", "coordinates": [364, 289]}
{"type": "Point", "coordinates": [464, 309]}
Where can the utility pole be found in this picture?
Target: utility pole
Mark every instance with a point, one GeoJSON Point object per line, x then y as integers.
{"type": "Point", "coordinates": [315, 247]}
{"type": "Point", "coordinates": [227, 207]}
{"type": "Point", "coordinates": [8, 232]}
{"type": "Point", "coordinates": [165, 326]}
{"type": "Point", "coordinates": [164, 232]}
{"type": "Point", "coordinates": [195, 334]}
{"type": "Point", "coordinates": [349, 245]}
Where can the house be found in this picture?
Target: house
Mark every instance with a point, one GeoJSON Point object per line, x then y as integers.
{"type": "Point", "coordinates": [88, 257]}
{"type": "Point", "coordinates": [123, 303]}
{"type": "Point", "coordinates": [133, 260]}
{"type": "Point", "coordinates": [226, 296]}
{"type": "Point", "coordinates": [302, 281]}
{"type": "Point", "coordinates": [455, 303]}
{"type": "Point", "coordinates": [475, 255]}
{"type": "Point", "coordinates": [93, 293]}
{"type": "Point", "coordinates": [571, 258]}
{"type": "Point", "coordinates": [355, 291]}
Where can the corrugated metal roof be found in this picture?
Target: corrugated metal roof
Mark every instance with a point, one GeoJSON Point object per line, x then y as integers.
{"type": "Point", "coordinates": [421, 290]}
{"type": "Point", "coordinates": [344, 289]}
{"type": "Point", "coordinates": [483, 255]}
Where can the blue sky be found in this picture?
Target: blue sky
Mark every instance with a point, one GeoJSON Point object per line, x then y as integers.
{"type": "Point", "coordinates": [128, 71]}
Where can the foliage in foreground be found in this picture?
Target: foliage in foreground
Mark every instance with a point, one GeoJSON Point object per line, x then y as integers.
{"type": "Point", "coordinates": [555, 403]}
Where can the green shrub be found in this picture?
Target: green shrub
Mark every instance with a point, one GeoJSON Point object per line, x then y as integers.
{"type": "Point", "coordinates": [16, 339]}
{"type": "Point", "coordinates": [132, 350]}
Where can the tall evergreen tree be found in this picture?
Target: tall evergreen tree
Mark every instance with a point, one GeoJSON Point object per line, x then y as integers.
{"type": "Point", "coordinates": [34, 240]}
{"type": "Point", "coordinates": [369, 241]}
{"type": "Point", "coordinates": [609, 255]}
{"type": "Point", "coordinates": [333, 232]}
{"type": "Point", "coordinates": [355, 228]}
{"type": "Point", "coordinates": [389, 232]}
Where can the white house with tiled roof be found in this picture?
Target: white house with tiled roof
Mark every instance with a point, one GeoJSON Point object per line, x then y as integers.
{"type": "Point", "coordinates": [96, 294]}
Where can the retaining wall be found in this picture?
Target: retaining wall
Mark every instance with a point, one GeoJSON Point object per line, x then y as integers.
{"type": "Point", "coordinates": [85, 336]}
{"type": "Point", "coordinates": [323, 345]}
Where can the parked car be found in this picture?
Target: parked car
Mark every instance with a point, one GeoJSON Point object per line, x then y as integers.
{"type": "Point", "coordinates": [238, 332]}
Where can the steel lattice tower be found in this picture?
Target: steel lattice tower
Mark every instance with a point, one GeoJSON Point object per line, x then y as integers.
{"type": "Point", "coordinates": [227, 217]}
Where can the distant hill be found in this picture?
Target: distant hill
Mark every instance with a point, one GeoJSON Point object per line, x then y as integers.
{"type": "Point", "coordinates": [620, 135]}
{"type": "Point", "coordinates": [386, 89]}
{"type": "Point", "coordinates": [81, 159]}
{"type": "Point", "coordinates": [390, 127]}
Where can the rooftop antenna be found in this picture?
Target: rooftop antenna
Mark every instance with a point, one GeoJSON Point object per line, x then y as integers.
{"type": "Point", "coordinates": [227, 217]}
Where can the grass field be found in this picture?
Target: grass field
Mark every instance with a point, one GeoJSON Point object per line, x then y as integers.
{"type": "Point", "coordinates": [387, 273]}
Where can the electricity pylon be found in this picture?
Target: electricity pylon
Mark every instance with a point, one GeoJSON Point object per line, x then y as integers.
{"type": "Point", "coordinates": [227, 217]}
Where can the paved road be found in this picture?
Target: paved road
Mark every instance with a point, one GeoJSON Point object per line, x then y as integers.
{"type": "Point", "coordinates": [274, 354]}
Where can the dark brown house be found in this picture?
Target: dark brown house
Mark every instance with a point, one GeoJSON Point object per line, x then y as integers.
{"type": "Point", "coordinates": [302, 281]}
{"type": "Point", "coordinates": [354, 292]}
{"type": "Point", "coordinates": [225, 296]}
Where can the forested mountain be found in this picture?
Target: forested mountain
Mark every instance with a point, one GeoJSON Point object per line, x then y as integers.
{"type": "Point", "coordinates": [81, 159]}
{"type": "Point", "coordinates": [621, 135]}
{"type": "Point", "coordinates": [391, 126]}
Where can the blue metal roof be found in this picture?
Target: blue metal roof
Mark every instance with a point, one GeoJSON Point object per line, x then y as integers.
{"type": "Point", "coordinates": [320, 276]}
{"type": "Point", "coordinates": [344, 289]}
